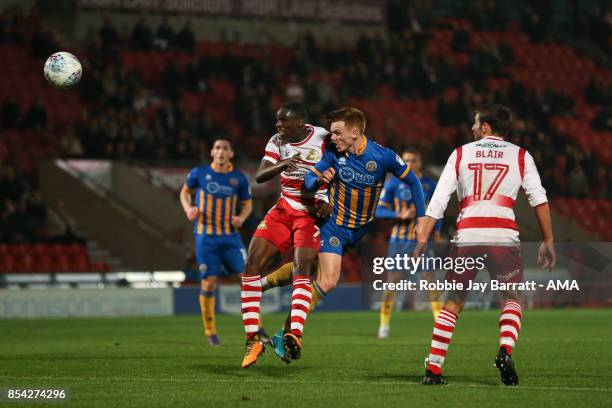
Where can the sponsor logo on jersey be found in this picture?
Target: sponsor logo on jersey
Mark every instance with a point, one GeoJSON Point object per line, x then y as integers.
{"type": "Point", "coordinates": [212, 187]}
{"type": "Point", "coordinates": [342, 160]}
{"type": "Point", "coordinates": [347, 175]}
{"type": "Point", "coordinates": [313, 155]}
{"type": "Point", "coordinates": [262, 225]}
{"type": "Point", "coordinates": [371, 165]}
{"type": "Point", "coordinates": [208, 177]}
{"type": "Point", "coordinates": [509, 275]}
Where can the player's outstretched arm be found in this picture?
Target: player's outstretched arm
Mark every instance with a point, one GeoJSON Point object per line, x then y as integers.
{"type": "Point", "coordinates": [185, 196]}
{"type": "Point", "coordinates": [268, 170]}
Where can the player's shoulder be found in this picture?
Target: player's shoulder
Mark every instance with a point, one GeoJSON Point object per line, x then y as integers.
{"type": "Point", "coordinates": [382, 154]}
{"type": "Point", "coordinates": [318, 131]}
{"type": "Point", "coordinates": [377, 150]}
{"type": "Point", "coordinates": [196, 171]}
{"type": "Point", "coordinates": [276, 139]}
{"type": "Point", "coordinates": [239, 174]}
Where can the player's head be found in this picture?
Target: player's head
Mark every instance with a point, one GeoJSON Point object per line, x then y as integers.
{"type": "Point", "coordinates": [492, 119]}
{"type": "Point", "coordinates": [222, 152]}
{"type": "Point", "coordinates": [413, 158]}
{"type": "Point", "coordinates": [346, 126]}
{"type": "Point", "coordinates": [291, 119]}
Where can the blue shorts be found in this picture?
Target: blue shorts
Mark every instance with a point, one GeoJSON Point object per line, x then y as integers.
{"type": "Point", "coordinates": [339, 240]}
{"type": "Point", "coordinates": [407, 247]}
{"type": "Point", "coordinates": [212, 252]}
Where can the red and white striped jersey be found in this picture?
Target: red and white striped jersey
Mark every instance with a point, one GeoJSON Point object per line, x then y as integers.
{"type": "Point", "coordinates": [487, 175]}
{"type": "Point", "coordinates": [310, 151]}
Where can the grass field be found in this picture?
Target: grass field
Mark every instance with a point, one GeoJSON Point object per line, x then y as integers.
{"type": "Point", "coordinates": [564, 358]}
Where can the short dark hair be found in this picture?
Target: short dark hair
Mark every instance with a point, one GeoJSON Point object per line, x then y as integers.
{"type": "Point", "coordinates": [350, 116]}
{"type": "Point", "coordinates": [497, 116]}
{"type": "Point", "coordinates": [413, 150]}
{"type": "Point", "coordinates": [297, 109]}
{"type": "Point", "coordinates": [223, 139]}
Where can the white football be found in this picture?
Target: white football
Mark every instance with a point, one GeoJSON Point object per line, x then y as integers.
{"type": "Point", "coordinates": [63, 70]}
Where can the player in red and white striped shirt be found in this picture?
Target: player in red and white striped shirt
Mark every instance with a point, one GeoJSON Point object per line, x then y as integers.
{"type": "Point", "coordinates": [487, 175]}
{"type": "Point", "coordinates": [291, 222]}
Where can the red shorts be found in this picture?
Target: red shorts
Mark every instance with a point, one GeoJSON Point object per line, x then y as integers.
{"type": "Point", "coordinates": [284, 227]}
{"type": "Point", "coordinates": [504, 263]}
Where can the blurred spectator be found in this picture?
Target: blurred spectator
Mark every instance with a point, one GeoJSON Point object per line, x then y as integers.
{"type": "Point", "coordinates": [141, 38]}
{"type": "Point", "coordinates": [108, 34]}
{"type": "Point", "coordinates": [36, 116]}
{"type": "Point", "coordinates": [9, 114]}
{"type": "Point", "coordinates": [70, 144]}
{"type": "Point", "coordinates": [185, 39]}
{"type": "Point", "coordinates": [165, 35]}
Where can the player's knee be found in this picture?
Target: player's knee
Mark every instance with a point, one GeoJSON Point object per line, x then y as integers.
{"type": "Point", "coordinates": [209, 284]}
{"type": "Point", "coordinates": [253, 264]}
{"type": "Point", "coordinates": [513, 295]}
{"type": "Point", "coordinates": [305, 268]}
{"type": "Point", "coordinates": [454, 306]}
{"type": "Point", "coordinates": [327, 283]}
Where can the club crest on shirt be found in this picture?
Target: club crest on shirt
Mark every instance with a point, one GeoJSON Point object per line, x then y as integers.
{"type": "Point", "coordinates": [234, 182]}
{"type": "Point", "coordinates": [313, 155]}
{"type": "Point", "coordinates": [371, 166]}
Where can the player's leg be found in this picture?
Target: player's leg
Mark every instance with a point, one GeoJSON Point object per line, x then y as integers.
{"type": "Point", "coordinates": [388, 297]}
{"type": "Point", "coordinates": [505, 264]}
{"type": "Point", "coordinates": [282, 276]}
{"type": "Point", "coordinates": [434, 295]}
{"type": "Point", "coordinates": [305, 260]}
{"type": "Point", "coordinates": [444, 325]}
{"type": "Point", "coordinates": [387, 303]}
{"type": "Point", "coordinates": [207, 307]}
{"type": "Point", "coordinates": [209, 265]}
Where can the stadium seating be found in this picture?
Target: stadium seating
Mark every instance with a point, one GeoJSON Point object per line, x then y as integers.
{"type": "Point", "coordinates": [538, 66]}
{"type": "Point", "coordinates": [48, 258]}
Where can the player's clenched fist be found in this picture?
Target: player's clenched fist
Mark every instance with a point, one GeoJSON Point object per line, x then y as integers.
{"type": "Point", "coordinates": [237, 221]}
{"type": "Point", "coordinates": [192, 213]}
{"type": "Point", "coordinates": [327, 176]}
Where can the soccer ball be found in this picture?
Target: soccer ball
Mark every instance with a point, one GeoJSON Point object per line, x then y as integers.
{"type": "Point", "coordinates": [63, 70]}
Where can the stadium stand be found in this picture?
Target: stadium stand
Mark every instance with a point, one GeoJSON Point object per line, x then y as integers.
{"type": "Point", "coordinates": [162, 95]}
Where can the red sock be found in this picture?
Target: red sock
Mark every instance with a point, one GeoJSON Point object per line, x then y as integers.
{"type": "Point", "coordinates": [300, 303]}
{"type": "Point", "coordinates": [440, 340]}
{"type": "Point", "coordinates": [250, 296]}
{"type": "Point", "coordinates": [510, 325]}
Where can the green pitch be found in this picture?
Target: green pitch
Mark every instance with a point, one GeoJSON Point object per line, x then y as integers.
{"type": "Point", "coordinates": [563, 358]}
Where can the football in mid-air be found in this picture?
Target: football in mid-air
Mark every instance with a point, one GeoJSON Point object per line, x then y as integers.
{"type": "Point", "coordinates": [63, 70]}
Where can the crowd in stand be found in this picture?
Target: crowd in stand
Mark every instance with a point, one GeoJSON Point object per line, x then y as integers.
{"type": "Point", "coordinates": [126, 127]}
{"type": "Point", "coordinates": [125, 117]}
